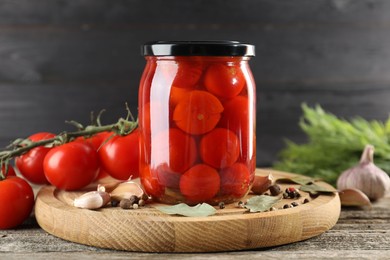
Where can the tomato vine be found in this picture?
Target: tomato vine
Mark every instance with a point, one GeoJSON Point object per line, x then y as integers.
{"type": "Point", "coordinates": [20, 146]}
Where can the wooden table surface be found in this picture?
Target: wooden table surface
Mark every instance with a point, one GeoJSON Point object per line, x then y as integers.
{"type": "Point", "coordinates": [359, 234]}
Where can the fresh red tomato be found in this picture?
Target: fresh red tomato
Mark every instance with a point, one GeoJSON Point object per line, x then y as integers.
{"type": "Point", "coordinates": [16, 201]}
{"type": "Point", "coordinates": [71, 166]}
{"type": "Point", "coordinates": [224, 80]}
{"type": "Point", "coordinates": [200, 183]}
{"type": "Point", "coordinates": [10, 172]}
{"type": "Point", "coordinates": [219, 148]}
{"type": "Point", "coordinates": [97, 142]}
{"type": "Point", "coordinates": [235, 180]}
{"type": "Point", "coordinates": [30, 164]}
{"type": "Point", "coordinates": [120, 156]}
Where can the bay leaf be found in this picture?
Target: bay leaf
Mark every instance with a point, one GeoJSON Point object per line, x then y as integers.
{"type": "Point", "coordinates": [261, 203]}
{"type": "Point", "coordinates": [302, 180]}
{"type": "Point", "coordinates": [200, 210]}
{"type": "Point", "coordinates": [314, 189]}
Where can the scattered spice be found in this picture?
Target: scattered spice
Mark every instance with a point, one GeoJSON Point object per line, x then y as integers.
{"type": "Point", "coordinates": [286, 206]}
{"type": "Point", "coordinates": [294, 204]}
{"type": "Point", "coordinates": [135, 206]}
{"type": "Point", "coordinates": [275, 190]}
{"type": "Point", "coordinates": [261, 184]}
{"type": "Point", "coordinates": [141, 202]}
{"type": "Point", "coordinates": [114, 203]}
{"type": "Point", "coordinates": [306, 200]}
{"type": "Point", "coordinates": [221, 205]}
{"type": "Point", "coordinates": [125, 204]}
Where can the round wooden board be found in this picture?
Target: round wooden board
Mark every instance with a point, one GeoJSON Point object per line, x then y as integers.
{"type": "Point", "coordinates": [149, 230]}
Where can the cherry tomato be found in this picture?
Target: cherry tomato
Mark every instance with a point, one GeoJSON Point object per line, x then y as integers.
{"type": "Point", "coordinates": [10, 172]}
{"type": "Point", "coordinates": [71, 166]}
{"type": "Point", "coordinates": [198, 113]}
{"type": "Point", "coordinates": [176, 95]}
{"type": "Point", "coordinates": [238, 117]}
{"type": "Point", "coordinates": [166, 177]}
{"type": "Point", "coordinates": [16, 201]}
{"type": "Point", "coordinates": [30, 164]}
{"type": "Point", "coordinates": [97, 141]}
{"type": "Point", "coordinates": [120, 156]}
{"type": "Point", "coordinates": [174, 148]}
{"type": "Point", "coordinates": [220, 148]}
{"type": "Point", "coordinates": [188, 74]}
{"type": "Point", "coordinates": [224, 80]}
{"type": "Point", "coordinates": [200, 183]}
{"type": "Point", "coordinates": [150, 182]}
{"type": "Point", "coordinates": [235, 180]}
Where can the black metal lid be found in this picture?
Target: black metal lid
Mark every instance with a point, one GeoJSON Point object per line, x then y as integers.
{"type": "Point", "coordinates": [197, 48]}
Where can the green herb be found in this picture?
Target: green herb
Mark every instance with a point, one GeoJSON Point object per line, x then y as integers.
{"type": "Point", "coordinates": [334, 145]}
{"type": "Point", "coordinates": [314, 189]}
{"type": "Point", "coordinates": [200, 210]}
{"type": "Point", "coordinates": [261, 203]}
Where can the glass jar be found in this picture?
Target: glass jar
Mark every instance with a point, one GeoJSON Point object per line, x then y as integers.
{"type": "Point", "coordinates": [197, 121]}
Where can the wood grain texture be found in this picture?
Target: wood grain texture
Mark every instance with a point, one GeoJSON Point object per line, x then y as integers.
{"type": "Point", "coordinates": [149, 230]}
{"type": "Point", "coordinates": [60, 59]}
{"type": "Point", "coordinates": [359, 234]}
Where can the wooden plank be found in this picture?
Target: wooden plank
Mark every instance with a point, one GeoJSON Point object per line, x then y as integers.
{"type": "Point", "coordinates": [197, 11]}
{"type": "Point", "coordinates": [310, 57]}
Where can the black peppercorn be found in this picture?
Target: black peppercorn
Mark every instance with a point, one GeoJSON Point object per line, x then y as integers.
{"type": "Point", "coordinates": [133, 199]}
{"type": "Point", "coordinates": [125, 204]}
{"type": "Point", "coordinates": [275, 190]}
{"type": "Point", "coordinates": [114, 203]}
{"type": "Point", "coordinates": [306, 200]}
{"type": "Point", "coordinates": [221, 205]}
{"type": "Point", "coordinates": [294, 204]}
{"type": "Point", "coordinates": [286, 206]}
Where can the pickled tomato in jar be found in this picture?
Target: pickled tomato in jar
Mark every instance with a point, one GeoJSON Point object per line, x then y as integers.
{"type": "Point", "coordinates": [197, 121]}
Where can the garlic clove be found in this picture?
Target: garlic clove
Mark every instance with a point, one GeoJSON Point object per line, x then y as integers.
{"type": "Point", "coordinates": [262, 183]}
{"type": "Point", "coordinates": [125, 190]}
{"type": "Point", "coordinates": [92, 200]}
{"type": "Point", "coordinates": [366, 177]}
{"type": "Point", "coordinates": [354, 197]}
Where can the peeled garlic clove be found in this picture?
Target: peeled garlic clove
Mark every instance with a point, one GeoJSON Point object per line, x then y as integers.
{"type": "Point", "coordinates": [366, 177]}
{"type": "Point", "coordinates": [262, 183]}
{"type": "Point", "coordinates": [92, 200]}
{"type": "Point", "coordinates": [354, 197]}
{"type": "Point", "coordinates": [125, 190]}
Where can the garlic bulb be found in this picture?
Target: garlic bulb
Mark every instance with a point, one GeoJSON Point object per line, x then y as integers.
{"type": "Point", "coordinates": [366, 177]}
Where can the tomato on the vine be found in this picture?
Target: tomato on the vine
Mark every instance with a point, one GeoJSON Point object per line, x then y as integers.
{"type": "Point", "coordinates": [200, 183]}
{"type": "Point", "coordinates": [97, 141]}
{"type": "Point", "coordinates": [224, 80]}
{"type": "Point", "coordinates": [10, 171]}
{"type": "Point", "coordinates": [71, 166]}
{"type": "Point", "coordinates": [30, 164]}
{"type": "Point", "coordinates": [16, 201]}
{"type": "Point", "coordinates": [120, 156]}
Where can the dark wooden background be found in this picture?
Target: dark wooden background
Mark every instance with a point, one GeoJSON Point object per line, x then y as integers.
{"type": "Point", "coordinates": [61, 59]}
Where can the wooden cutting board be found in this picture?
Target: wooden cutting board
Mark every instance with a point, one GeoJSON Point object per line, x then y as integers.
{"type": "Point", "coordinates": [149, 230]}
